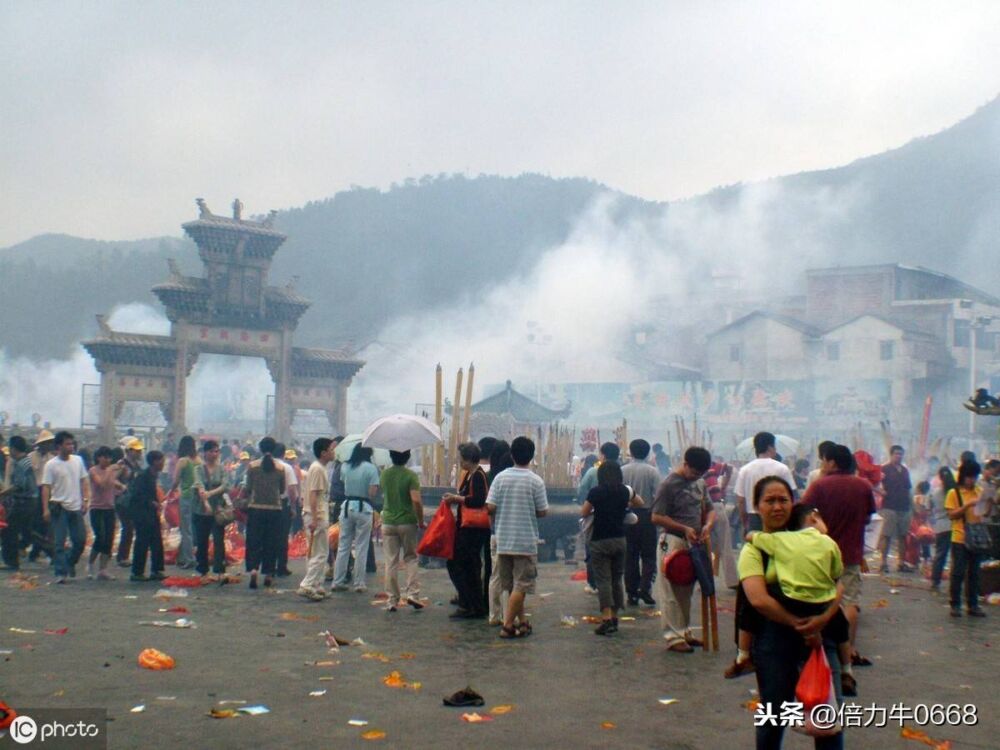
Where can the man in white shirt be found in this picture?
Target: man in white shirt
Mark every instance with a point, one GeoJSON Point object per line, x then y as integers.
{"type": "Point", "coordinates": [288, 504]}
{"type": "Point", "coordinates": [821, 451]}
{"type": "Point", "coordinates": [765, 465]}
{"type": "Point", "coordinates": [65, 497]}
{"type": "Point", "coordinates": [316, 517]}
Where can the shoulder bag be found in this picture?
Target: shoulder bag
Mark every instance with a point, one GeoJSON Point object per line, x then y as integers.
{"type": "Point", "coordinates": [474, 518]}
{"type": "Point", "coordinates": [977, 536]}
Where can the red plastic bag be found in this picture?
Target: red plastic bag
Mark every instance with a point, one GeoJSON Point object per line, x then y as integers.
{"type": "Point", "coordinates": [439, 538]}
{"type": "Point", "coordinates": [172, 511]}
{"type": "Point", "coordinates": [813, 687]}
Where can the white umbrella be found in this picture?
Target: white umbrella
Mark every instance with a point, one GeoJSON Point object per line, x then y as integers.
{"type": "Point", "coordinates": [401, 432]}
{"type": "Point", "coordinates": [380, 457]}
{"type": "Point", "coordinates": [785, 445]}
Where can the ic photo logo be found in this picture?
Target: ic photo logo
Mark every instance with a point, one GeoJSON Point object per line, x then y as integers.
{"type": "Point", "coordinates": [23, 730]}
{"type": "Point", "coordinates": [59, 729]}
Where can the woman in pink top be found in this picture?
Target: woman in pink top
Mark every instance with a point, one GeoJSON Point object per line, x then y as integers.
{"type": "Point", "coordinates": [104, 485]}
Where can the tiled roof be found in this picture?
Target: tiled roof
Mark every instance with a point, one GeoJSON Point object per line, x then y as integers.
{"type": "Point", "coordinates": [519, 406]}
{"type": "Point", "coordinates": [323, 363]}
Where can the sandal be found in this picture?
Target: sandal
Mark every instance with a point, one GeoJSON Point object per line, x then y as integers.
{"type": "Point", "coordinates": [506, 632]}
{"type": "Point", "coordinates": [524, 630]}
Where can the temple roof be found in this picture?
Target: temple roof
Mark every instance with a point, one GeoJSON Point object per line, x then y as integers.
{"type": "Point", "coordinates": [190, 297]}
{"type": "Point", "coordinates": [519, 406]}
{"type": "Point", "coordinates": [118, 348]}
{"type": "Point", "coordinates": [323, 363]}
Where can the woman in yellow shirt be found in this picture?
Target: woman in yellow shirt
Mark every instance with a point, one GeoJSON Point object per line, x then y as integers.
{"type": "Point", "coordinates": [960, 505]}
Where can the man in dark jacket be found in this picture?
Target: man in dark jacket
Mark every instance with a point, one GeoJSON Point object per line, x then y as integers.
{"type": "Point", "coordinates": [18, 502]}
{"type": "Point", "coordinates": [146, 518]}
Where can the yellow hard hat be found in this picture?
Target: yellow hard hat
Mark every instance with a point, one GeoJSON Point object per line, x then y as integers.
{"type": "Point", "coordinates": [291, 455]}
{"type": "Point", "coordinates": [244, 456]}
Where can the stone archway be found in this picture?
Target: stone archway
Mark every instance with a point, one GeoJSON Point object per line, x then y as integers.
{"type": "Point", "coordinates": [229, 310]}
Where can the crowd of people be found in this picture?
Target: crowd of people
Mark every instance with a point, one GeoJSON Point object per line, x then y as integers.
{"type": "Point", "coordinates": [800, 533]}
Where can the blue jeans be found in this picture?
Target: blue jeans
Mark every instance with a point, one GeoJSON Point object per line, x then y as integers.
{"type": "Point", "coordinates": [185, 554]}
{"type": "Point", "coordinates": [356, 532]}
{"type": "Point", "coordinates": [778, 654]}
{"type": "Point", "coordinates": [942, 543]}
{"type": "Point", "coordinates": [67, 523]}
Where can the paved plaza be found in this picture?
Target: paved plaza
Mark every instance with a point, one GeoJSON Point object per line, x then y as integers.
{"type": "Point", "coordinates": [566, 687]}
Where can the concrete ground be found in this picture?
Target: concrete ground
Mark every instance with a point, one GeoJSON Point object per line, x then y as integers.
{"type": "Point", "coordinates": [564, 683]}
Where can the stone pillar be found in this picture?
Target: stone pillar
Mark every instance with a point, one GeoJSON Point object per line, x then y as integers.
{"type": "Point", "coordinates": [281, 373]}
{"type": "Point", "coordinates": [107, 415]}
{"type": "Point", "coordinates": [177, 421]}
{"type": "Point", "coordinates": [340, 425]}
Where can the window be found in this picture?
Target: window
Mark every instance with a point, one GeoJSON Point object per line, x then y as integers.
{"type": "Point", "coordinates": [887, 350]}
{"type": "Point", "coordinates": [735, 353]}
{"type": "Point", "coordinates": [833, 351]}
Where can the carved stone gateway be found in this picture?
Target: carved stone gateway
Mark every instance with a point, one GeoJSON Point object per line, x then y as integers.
{"type": "Point", "coordinates": [229, 310]}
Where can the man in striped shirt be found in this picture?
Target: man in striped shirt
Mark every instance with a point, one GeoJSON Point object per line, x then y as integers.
{"type": "Point", "coordinates": [516, 501]}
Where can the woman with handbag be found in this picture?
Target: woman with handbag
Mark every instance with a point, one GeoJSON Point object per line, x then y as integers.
{"type": "Point", "coordinates": [211, 486]}
{"type": "Point", "coordinates": [465, 568]}
{"type": "Point", "coordinates": [969, 540]}
{"type": "Point", "coordinates": [609, 502]}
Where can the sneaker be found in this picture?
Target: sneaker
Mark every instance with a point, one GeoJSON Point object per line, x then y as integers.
{"type": "Point", "coordinates": [158, 576]}
{"type": "Point", "coordinates": [309, 594]}
{"type": "Point", "coordinates": [462, 614]}
{"type": "Point", "coordinates": [696, 642]}
{"type": "Point", "coordinates": [607, 627]}
{"type": "Point", "coordinates": [681, 647]}
{"type": "Point", "coordinates": [904, 568]}
{"type": "Point", "coordinates": [416, 604]}
{"type": "Point", "coordinates": [360, 589]}
{"type": "Point", "coordinates": [283, 573]}
{"type": "Point", "coordinates": [589, 589]}
{"type": "Point", "coordinates": [956, 612]}
{"type": "Point", "coordinates": [338, 587]}
{"type": "Point", "coordinates": [647, 599]}
{"type": "Point", "coordinates": [124, 563]}
{"type": "Point", "coordinates": [739, 668]}
{"type": "Point", "coordinates": [633, 601]}
{"type": "Point", "coordinates": [61, 579]}
{"type": "Point", "coordinates": [105, 576]}
{"type": "Point", "coordinates": [848, 685]}
{"type": "Point", "coordinates": [976, 612]}
{"type": "Point", "coordinates": [138, 579]}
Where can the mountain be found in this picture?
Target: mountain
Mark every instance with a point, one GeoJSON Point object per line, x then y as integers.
{"type": "Point", "coordinates": [362, 257]}
{"type": "Point", "coordinates": [365, 256]}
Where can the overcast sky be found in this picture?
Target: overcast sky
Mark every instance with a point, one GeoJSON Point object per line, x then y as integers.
{"type": "Point", "coordinates": [115, 116]}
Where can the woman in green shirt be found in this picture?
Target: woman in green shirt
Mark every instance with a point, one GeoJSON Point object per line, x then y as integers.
{"type": "Point", "coordinates": [211, 486]}
{"type": "Point", "coordinates": [185, 478]}
{"type": "Point", "coordinates": [779, 646]}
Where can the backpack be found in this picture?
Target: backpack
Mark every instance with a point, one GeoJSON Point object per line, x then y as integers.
{"type": "Point", "coordinates": [123, 502]}
{"type": "Point", "coordinates": [337, 492]}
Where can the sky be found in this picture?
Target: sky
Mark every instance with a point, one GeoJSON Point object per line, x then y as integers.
{"type": "Point", "coordinates": [117, 115]}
